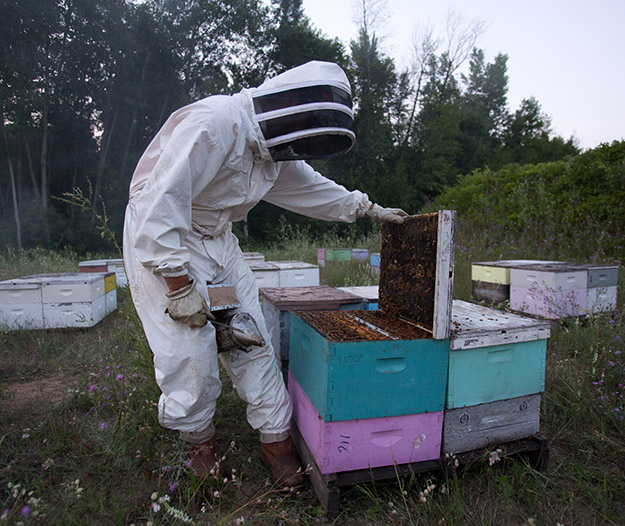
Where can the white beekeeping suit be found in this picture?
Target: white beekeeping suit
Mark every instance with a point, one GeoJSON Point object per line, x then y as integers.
{"type": "Point", "coordinates": [211, 162]}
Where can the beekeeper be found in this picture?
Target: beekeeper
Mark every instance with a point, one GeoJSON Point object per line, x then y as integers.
{"type": "Point", "coordinates": [211, 162]}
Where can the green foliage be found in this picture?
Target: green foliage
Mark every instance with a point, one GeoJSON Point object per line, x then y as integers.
{"type": "Point", "coordinates": [563, 209]}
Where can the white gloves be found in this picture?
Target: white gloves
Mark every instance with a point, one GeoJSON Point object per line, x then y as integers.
{"type": "Point", "coordinates": [386, 215]}
{"type": "Point", "coordinates": [188, 306]}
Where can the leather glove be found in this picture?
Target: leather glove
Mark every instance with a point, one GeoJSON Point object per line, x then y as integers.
{"type": "Point", "coordinates": [186, 305]}
{"type": "Point", "coordinates": [386, 215]}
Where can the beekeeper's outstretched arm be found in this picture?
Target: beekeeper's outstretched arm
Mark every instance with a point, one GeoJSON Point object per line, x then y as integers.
{"type": "Point", "coordinates": [301, 189]}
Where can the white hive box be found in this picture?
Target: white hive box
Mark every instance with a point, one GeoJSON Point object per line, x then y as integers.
{"type": "Point", "coordinates": [491, 279]}
{"type": "Point", "coordinates": [74, 315]}
{"type": "Point", "coordinates": [71, 287]}
{"type": "Point", "coordinates": [253, 257]}
{"type": "Point", "coordinates": [73, 300]}
{"type": "Point", "coordinates": [265, 273]}
{"type": "Point", "coordinates": [20, 304]}
{"type": "Point", "coordinates": [64, 300]}
{"type": "Point", "coordinates": [297, 273]}
{"type": "Point", "coordinates": [602, 299]}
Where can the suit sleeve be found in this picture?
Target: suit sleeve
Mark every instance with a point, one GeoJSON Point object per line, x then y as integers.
{"type": "Point", "coordinates": [299, 188]}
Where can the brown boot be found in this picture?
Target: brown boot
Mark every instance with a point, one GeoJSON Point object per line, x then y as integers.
{"type": "Point", "coordinates": [203, 459]}
{"type": "Point", "coordinates": [280, 458]}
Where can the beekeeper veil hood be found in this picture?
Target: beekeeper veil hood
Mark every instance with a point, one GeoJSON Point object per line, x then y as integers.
{"type": "Point", "coordinates": [306, 112]}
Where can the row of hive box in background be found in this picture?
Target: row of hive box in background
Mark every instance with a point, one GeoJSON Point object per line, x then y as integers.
{"type": "Point", "coordinates": [366, 404]}
{"type": "Point", "coordinates": [55, 301]}
{"type": "Point", "coordinates": [550, 289]}
{"type": "Point", "coordinates": [268, 274]}
{"type": "Point", "coordinates": [83, 299]}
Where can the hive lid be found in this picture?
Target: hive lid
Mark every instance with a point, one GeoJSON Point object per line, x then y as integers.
{"type": "Point", "coordinates": [262, 265]}
{"type": "Point", "coordinates": [416, 271]}
{"type": "Point", "coordinates": [292, 265]}
{"type": "Point", "coordinates": [369, 293]}
{"type": "Point", "coordinates": [320, 297]}
{"type": "Point", "coordinates": [516, 263]}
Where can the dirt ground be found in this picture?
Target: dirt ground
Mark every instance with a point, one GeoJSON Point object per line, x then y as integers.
{"type": "Point", "coordinates": [24, 403]}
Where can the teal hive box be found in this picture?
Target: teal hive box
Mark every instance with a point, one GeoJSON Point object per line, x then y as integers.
{"type": "Point", "coordinates": [349, 380]}
{"type": "Point", "coordinates": [494, 355]}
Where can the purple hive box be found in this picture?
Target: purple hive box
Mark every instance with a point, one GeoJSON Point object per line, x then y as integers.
{"type": "Point", "coordinates": [360, 444]}
{"type": "Point", "coordinates": [550, 304]}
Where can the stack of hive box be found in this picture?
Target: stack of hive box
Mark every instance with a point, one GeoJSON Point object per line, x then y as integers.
{"type": "Point", "coordinates": [278, 303]}
{"type": "Point", "coordinates": [496, 377]}
{"type": "Point", "coordinates": [369, 388]}
{"type": "Point", "coordinates": [284, 273]}
{"type": "Point", "coordinates": [490, 280]}
{"type": "Point", "coordinates": [106, 265]}
{"type": "Point", "coordinates": [559, 290]}
{"type": "Point", "coordinates": [53, 301]}
{"type": "Point", "coordinates": [551, 289]}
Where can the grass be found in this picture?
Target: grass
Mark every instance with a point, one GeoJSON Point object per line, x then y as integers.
{"type": "Point", "coordinates": [80, 443]}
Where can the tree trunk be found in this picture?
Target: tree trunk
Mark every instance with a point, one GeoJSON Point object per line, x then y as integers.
{"type": "Point", "coordinates": [31, 170]}
{"type": "Point", "coordinates": [16, 211]}
{"type": "Point", "coordinates": [106, 143]}
{"type": "Point", "coordinates": [131, 134]}
{"type": "Point", "coordinates": [45, 196]}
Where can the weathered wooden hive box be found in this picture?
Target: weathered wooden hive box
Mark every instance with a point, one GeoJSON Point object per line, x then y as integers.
{"type": "Point", "coordinates": [369, 386]}
{"type": "Point", "coordinates": [496, 377]}
{"type": "Point", "coordinates": [490, 280]}
{"type": "Point", "coordinates": [64, 300]}
{"type": "Point", "coordinates": [279, 302]}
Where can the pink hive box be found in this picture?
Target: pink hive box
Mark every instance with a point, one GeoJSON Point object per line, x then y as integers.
{"type": "Point", "coordinates": [360, 444]}
{"type": "Point", "coordinates": [550, 304]}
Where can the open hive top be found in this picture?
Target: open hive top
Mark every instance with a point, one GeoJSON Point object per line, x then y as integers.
{"type": "Point", "coordinates": [359, 326]}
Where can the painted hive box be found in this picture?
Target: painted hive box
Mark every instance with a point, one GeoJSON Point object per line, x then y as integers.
{"type": "Point", "coordinates": [366, 364]}
{"type": "Point", "coordinates": [494, 355]}
{"type": "Point", "coordinates": [361, 444]}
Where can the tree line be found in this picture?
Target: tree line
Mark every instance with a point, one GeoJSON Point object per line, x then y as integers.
{"type": "Point", "coordinates": [85, 85]}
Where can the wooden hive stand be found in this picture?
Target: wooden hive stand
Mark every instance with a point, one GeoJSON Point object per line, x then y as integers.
{"type": "Point", "coordinates": [328, 486]}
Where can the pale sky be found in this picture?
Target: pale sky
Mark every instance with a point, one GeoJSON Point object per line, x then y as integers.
{"type": "Point", "coordinates": [569, 54]}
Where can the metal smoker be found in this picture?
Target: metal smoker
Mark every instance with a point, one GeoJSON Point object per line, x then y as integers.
{"type": "Point", "coordinates": [235, 330]}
